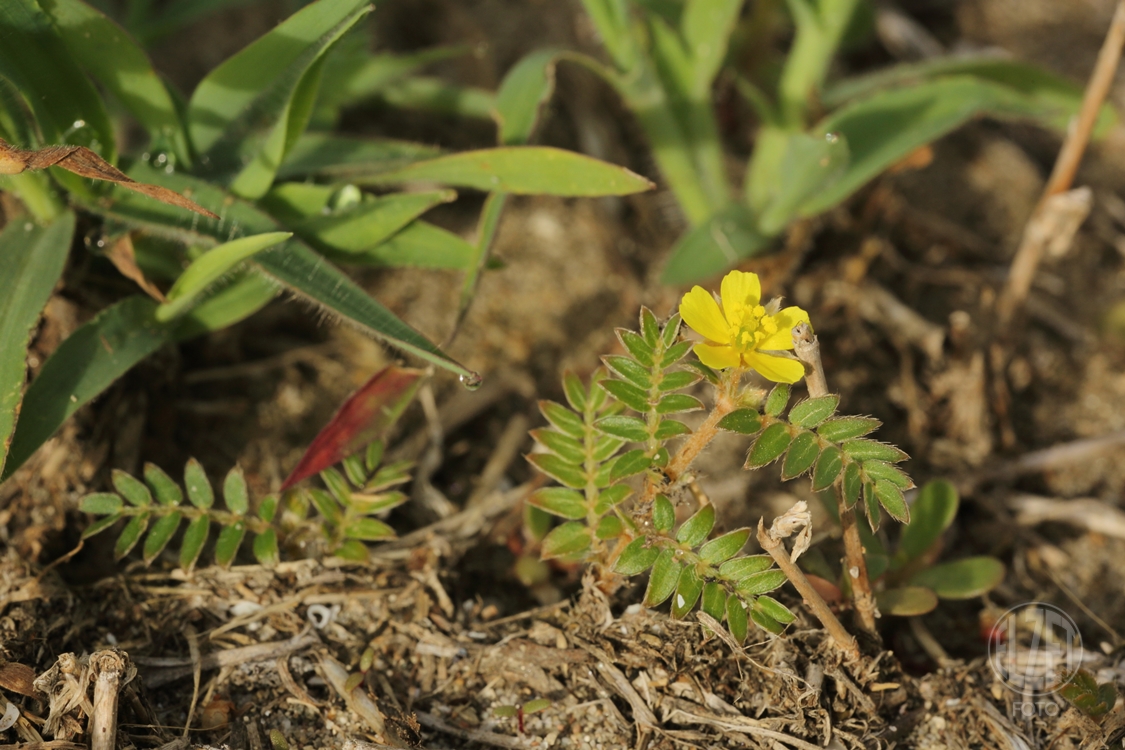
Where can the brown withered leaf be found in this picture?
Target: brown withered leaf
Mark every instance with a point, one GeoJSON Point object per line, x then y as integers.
{"type": "Point", "coordinates": [18, 678]}
{"type": "Point", "coordinates": [85, 163]}
{"type": "Point", "coordinates": [122, 256]}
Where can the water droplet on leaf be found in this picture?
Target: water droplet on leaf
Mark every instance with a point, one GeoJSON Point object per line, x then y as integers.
{"type": "Point", "coordinates": [471, 381]}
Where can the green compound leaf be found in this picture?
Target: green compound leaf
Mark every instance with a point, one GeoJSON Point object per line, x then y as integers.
{"type": "Point", "coordinates": [931, 514]}
{"type": "Point", "coordinates": [811, 412]}
{"type": "Point", "coordinates": [880, 470]}
{"type": "Point", "coordinates": [670, 428]}
{"type": "Point", "coordinates": [676, 352]}
{"type": "Point", "coordinates": [628, 394]}
{"type": "Point", "coordinates": [245, 113]}
{"type": "Point", "coordinates": [563, 418]}
{"type": "Point", "coordinates": [101, 503]}
{"type": "Point", "coordinates": [1084, 692]}
{"type": "Point", "coordinates": [565, 473]}
{"type": "Point", "coordinates": [769, 446]}
{"type": "Point", "coordinates": [521, 170]}
{"type": "Point", "coordinates": [760, 583]}
{"type": "Point", "coordinates": [890, 497]}
{"type": "Point", "coordinates": [612, 496]}
{"type": "Point", "coordinates": [575, 392]}
{"type": "Point", "coordinates": [843, 428]}
{"type": "Point", "coordinates": [688, 589]}
{"type": "Point", "coordinates": [744, 567]}
{"type": "Point", "coordinates": [637, 346]}
{"type": "Point", "coordinates": [629, 428]}
{"type": "Point", "coordinates": [267, 508]}
{"type": "Point", "coordinates": [226, 546]}
{"type": "Point", "coordinates": [101, 525]}
{"type": "Point", "coordinates": [674, 381]}
{"type": "Point", "coordinates": [737, 619]}
{"type": "Point", "coordinates": [852, 485]}
{"type": "Point", "coordinates": [195, 536]}
{"type": "Point", "coordinates": [861, 449]}
{"type": "Point", "coordinates": [714, 600]}
{"type": "Point", "coordinates": [559, 501]}
{"type": "Point", "coordinates": [678, 402]}
{"type": "Point", "coordinates": [775, 609]}
{"type": "Point", "coordinates": [130, 535]}
{"type": "Point", "coordinates": [164, 488]}
{"type": "Point", "coordinates": [697, 528]}
{"type": "Point", "coordinates": [777, 400]}
{"type": "Point", "coordinates": [742, 421]}
{"type": "Point", "coordinates": [962, 579]}
{"type": "Point", "coordinates": [368, 530]}
{"type": "Point", "coordinates": [265, 548]}
{"type": "Point", "coordinates": [210, 267]}
{"type": "Point", "coordinates": [663, 579]}
{"type": "Point", "coordinates": [235, 494]}
{"type": "Point", "coordinates": [724, 547]}
{"type": "Point", "coordinates": [907, 601]}
{"type": "Point", "coordinates": [198, 486]}
{"type": "Point", "coordinates": [34, 258]}
{"type": "Point", "coordinates": [130, 488]}
{"type": "Point", "coordinates": [609, 527]}
{"type": "Point", "coordinates": [630, 369]}
{"type": "Point", "coordinates": [800, 457]}
{"type": "Point", "coordinates": [636, 558]}
{"type": "Point", "coordinates": [630, 463]}
{"type": "Point", "coordinates": [663, 514]}
{"type": "Point", "coordinates": [828, 467]}
{"type": "Point", "coordinates": [160, 535]}
{"type": "Point", "coordinates": [563, 446]}
{"type": "Point", "coordinates": [85, 364]}
{"type": "Point", "coordinates": [572, 538]}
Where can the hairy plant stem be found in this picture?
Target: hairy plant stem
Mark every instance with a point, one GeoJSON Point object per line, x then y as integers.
{"type": "Point", "coordinates": [807, 348]}
{"type": "Point", "coordinates": [725, 403]}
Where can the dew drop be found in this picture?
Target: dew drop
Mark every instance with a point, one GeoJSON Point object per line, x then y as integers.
{"type": "Point", "coordinates": [832, 137]}
{"type": "Point", "coordinates": [471, 380]}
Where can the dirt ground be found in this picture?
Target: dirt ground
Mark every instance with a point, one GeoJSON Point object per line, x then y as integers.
{"type": "Point", "coordinates": [449, 629]}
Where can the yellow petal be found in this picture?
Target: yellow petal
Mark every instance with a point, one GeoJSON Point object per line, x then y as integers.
{"type": "Point", "coordinates": [785, 320]}
{"type": "Point", "coordinates": [740, 290]}
{"type": "Point", "coordinates": [700, 311]}
{"type": "Point", "coordinates": [716, 357]}
{"type": "Point", "coordinates": [777, 369]}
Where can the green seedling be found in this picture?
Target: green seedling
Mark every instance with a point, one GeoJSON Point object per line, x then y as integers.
{"type": "Point", "coordinates": [818, 141]}
{"type": "Point", "coordinates": [623, 461]}
{"type": "Point", "coordinates": [243, 191]}
{"type": "Point", "coordinates": [1084, 693]}
{"type": "Point", "coordinates": [519, 712]}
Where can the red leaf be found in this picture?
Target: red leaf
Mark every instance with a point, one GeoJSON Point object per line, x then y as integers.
{"type": "Point", "coordinates": [367, 414]}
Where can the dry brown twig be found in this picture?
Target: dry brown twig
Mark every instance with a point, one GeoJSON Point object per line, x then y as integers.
{"type": "Point", "coordinates": [1055, 214]}
{"type": "Point", "coordinates": [85, 163]}
{"type": "Point", "coordinates": [111, 671]}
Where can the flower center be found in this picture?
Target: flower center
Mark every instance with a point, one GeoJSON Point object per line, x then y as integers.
{"type": "Point", "coordinates": [750, 327]}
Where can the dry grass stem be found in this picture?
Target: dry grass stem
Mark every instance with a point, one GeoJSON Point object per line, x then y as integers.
{"type": "Point", "coordinates": [111, 670]}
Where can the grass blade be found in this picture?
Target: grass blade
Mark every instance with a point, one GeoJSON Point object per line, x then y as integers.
{"type": "Point", "coordinates": [33, 261]}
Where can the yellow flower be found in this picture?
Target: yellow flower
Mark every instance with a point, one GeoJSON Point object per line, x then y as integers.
{"type": "Point", "coordinates": [742, 331]}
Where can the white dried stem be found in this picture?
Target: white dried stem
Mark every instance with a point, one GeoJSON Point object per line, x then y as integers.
{"type": "Point", "coordinates": [111, 670]}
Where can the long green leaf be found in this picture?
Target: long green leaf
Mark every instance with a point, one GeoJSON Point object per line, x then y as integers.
{"type": "Point", "coordinates": [357, 74]}
{"type": "Point", "coordinates": [344, 158]}
{"type": "Point", "coordinates": [1058, 98]}
{"type": "Point", "coordinates": [706, 26]}
{"type": "Point", "coordinates": [522, 94]}
{"type": "Point", "coordinates": [210, 267]}
{"type": "Point", "coordinates": [33, 258]}
{"type": "Point", "coordinates": [66, 106]}
{"type": "Point", "coordinates": [439, 97]}
{"type": "Point", "coordinates": [364, 226]}
{"type": "Point", "coordinates": [292, 264]}
{"type": "Point", "coordinates": [84, 365]}
{"type": "Point", "coordinates": [420, 245]}
{"type": "Point", "coordinates": [245, 112]}
{"type": "Point", "coordinates": [810, 166]}
{"type": "Point", "coordinates": [522, 170]}
{"type": "Point", "coordinates": [886, 127]}
{"type": "Point", "coordinates": [108, 54]}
